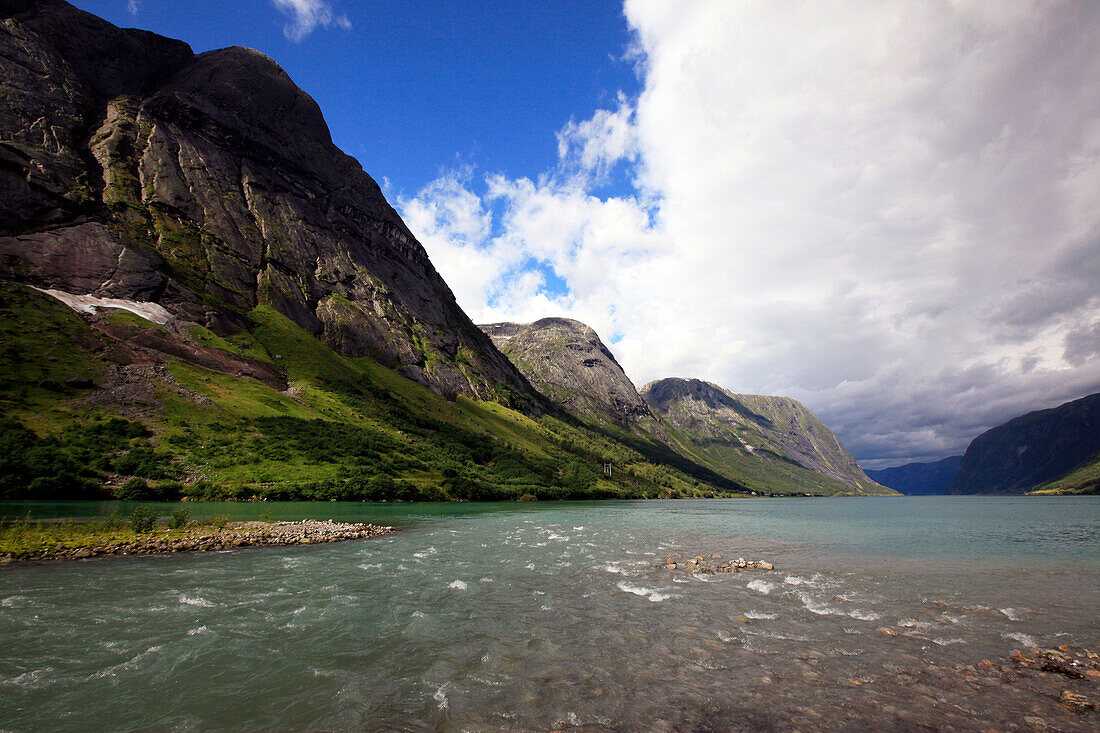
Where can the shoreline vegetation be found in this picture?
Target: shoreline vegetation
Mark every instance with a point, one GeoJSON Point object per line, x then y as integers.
{"type": "Point", "coordinates": [141, 533]}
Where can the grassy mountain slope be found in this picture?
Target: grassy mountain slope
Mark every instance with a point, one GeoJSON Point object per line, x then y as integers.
{"type": "Point", "coordinates": [768, 444]}
{"type": "Point", "coordinates": [1083, 480]}
{"type": "Point", "coordinates": [91, 409]}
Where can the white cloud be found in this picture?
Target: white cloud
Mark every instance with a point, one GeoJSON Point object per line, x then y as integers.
{"type": "Point", "coordinates": [133, 6]}
{"type": "Point", "coordinates": [307, 15]}
{"type": "Point", "coordinates": [890, 210]}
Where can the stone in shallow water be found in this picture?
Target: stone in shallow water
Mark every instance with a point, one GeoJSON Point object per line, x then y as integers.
{"type": "Point", "coordinates": [1075, 701]}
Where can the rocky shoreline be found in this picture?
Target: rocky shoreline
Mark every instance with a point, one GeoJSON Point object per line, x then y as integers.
{"type": "Point", "coordinates": [231, 536]}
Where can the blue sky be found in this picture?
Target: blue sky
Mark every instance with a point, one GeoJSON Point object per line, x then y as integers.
{"type": "Point", "coordinates": [411, 88]}
{"type": "Point", "coordinates": [887, 209]}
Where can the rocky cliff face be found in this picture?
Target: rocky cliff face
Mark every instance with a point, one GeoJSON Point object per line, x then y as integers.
{"type": "Point", "coordinates": [742, 434]}
{"type": "Point", "coordinates": [131, 168]}
{"type": "Point", "coordinates": [1032, 449]}
{"type": "Point", "coordinates": [567, 362]}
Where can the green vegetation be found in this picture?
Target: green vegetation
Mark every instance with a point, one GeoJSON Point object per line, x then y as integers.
{"type": "Point", "coordinates": [143, 518]}
{"type": "Point", "coordinates": [26, 537]}
{"type": "Point", "coordinates": [347, 429]}
{"type": "Point", "coordinates": [1083, 480]}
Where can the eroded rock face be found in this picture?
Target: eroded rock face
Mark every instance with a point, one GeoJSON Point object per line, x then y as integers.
{"type": "Point", "coordinates": [132, 168]}
{"type": "Point", "coordinates": [567, 362]}
{"type": "Point", "coordinates": [763, 427]}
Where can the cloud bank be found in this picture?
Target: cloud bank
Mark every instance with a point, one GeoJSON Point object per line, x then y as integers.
{"type": "Point", "coordinates": [889, 210]}
{"type": "Point", "coordinates": [308, 15]}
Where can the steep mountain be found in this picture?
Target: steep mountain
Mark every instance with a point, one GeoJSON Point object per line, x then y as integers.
{"type": "Point", "coordinates": [567, 362]}
{"type": "Point", "coordinates": [1056, 449]}
{"type": "Point", "coordinates": [769, 444]}
{"type": "Point", "coordinates": [919, 478]}
{"type": "Point", "coordinates": [133, 169]}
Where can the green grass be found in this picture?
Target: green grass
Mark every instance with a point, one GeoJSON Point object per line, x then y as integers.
{"type": "Point", "coordinates": [25, 538]}
{"type": "Point", "coordinates": [41, 341]}
{"type": "Point", "coordinates": [1083, 480]}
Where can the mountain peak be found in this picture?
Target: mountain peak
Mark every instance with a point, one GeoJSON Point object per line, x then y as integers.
{"type": "Point", "coordinates": [567, 362]}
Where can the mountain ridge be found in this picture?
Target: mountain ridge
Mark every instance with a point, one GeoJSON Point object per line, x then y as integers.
{"type": "Point", "coordinates": [919, 478]}
{"type": "Point", "coordinates": [737, 435]}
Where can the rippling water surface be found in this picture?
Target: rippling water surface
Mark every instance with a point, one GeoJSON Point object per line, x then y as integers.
{"type": "Point", "coordinates": [556, 616]}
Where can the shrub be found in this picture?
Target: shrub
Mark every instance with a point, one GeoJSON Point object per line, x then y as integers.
{"type": "Point", "coordinates": [143, 518]}
{"type": "Point", "coordinates": [218, 521]}
{"type": "Point", "coordinates": [179, 518]}
{"type": "Point", "coordinates": [134, 489]}
{"type": "Point", "coordinates": [167, 491]}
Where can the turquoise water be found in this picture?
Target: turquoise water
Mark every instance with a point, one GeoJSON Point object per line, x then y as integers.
{"type": "Point", "coordinates": [558, 615]}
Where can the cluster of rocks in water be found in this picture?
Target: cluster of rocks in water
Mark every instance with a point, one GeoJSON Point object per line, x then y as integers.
{"type": "Point", "coordinates": [230, 536]}
{"type": "Point", "coordinates": [714, 564]}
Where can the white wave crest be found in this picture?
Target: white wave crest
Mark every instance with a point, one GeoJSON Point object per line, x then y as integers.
{"type": "Point", "coordinates": [440, 696]}
{"type": "Point", "coordinates": [761, 586]}
{"type": "Point", "coordinates": [862, 615]}
{"type": "Point", "coordinates": [458, 585]}
{"type": "Point", "coordinates": [653, 594]}
{"type": "Point", "coordinates": [1011, 614]}
{"type": "Point", "coordinates": [199, 601]}
{"type": "Point", "coordinates": [759, 616]}
{"type": "Point", "coordinates": [1025, 639]}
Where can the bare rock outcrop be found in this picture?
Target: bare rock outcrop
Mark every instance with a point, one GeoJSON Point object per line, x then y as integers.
{"type": "Point", "coordinates": [567, 362]}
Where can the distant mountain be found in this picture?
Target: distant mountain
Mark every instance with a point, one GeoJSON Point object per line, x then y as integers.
{"type": "Point", "coordinates": [567, 362]}
{"type": "Point", "coordinates": [766, 443]}
{"type": "Point", "coordinates": [919, 478]}
{"type": "Point", "coordinates": [1055, 449]}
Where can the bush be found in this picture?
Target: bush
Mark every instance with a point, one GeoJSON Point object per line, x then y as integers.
{"type": "Point", "coordinates": [218, 521]}
{"type": "Point", "coordinates": [144, 461]}
{"type": "Point", "coordinates": [134, 489]}
{"type": "Point", "coordinates": [167, 491]}
{"type": "Point", "coordinates": [143, 518]}
{"type": "Point", "coordinates": [179, 518]}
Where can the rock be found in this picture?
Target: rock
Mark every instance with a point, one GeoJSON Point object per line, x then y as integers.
{"type": "Point", "coordinates": [1075, 701]}
{"type": "Point", "coordinates": [1035, 722]}
{"type": "Point", "coordinates": [887, 631]}
{"type": "Point", "coordinates": [1061, 668]}
{"type": "Point", "coordinates": [742, 619]}
{"type": "Point", "coordinates": [671, 566]}
{"type": "Point", "coordinates": [567, 362]}
{"type": "Point", "coordinates": [765, 565]}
